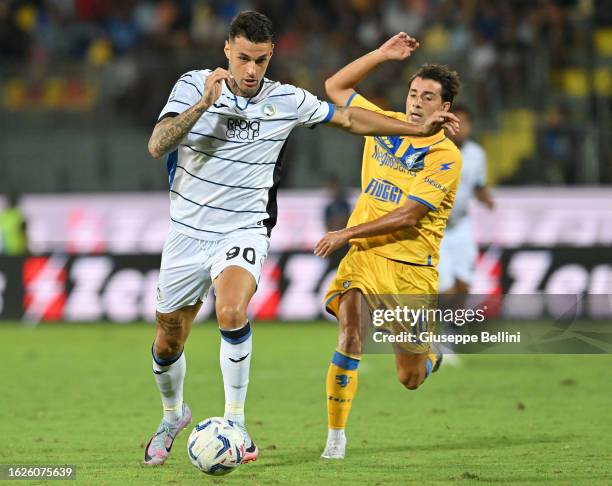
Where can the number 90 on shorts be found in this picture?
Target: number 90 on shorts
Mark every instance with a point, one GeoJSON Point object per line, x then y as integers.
{"type": "Point", "coordinates": [189, 265]}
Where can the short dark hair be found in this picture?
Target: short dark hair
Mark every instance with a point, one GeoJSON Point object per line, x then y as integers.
{"type": "Point", "coordinates": [463, 108]}
{"type": "Point", "coordinates": [448, 79]}
{"type": "Point", "coordinates": [253, 26]}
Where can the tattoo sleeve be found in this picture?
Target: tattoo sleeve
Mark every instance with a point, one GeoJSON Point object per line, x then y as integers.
{"type": "Point", "coordinates": [171, 324]}
{"type": "Point", "coordinates": [169, 131]}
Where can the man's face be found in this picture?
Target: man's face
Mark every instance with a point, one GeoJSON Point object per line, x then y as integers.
{"type": "Point", "coordinates": [424, 98]}
{"type": "Point", "coordinates": [465, 128]}
{"type": "Point", "coordinates": [248, 62]}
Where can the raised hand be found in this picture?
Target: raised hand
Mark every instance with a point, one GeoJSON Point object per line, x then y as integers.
{"type": "Point", "coordinates": [399, 47]}
{"type": "Point", "coordinates": [442, 119]}
{"type": "Point", "coordinates": [212, 88]}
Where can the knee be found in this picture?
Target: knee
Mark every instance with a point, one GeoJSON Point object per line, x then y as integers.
{"type": "Point", "coordinates": [411, 379]}
{"type": "Point", "coordinates": [165, 348]}
{"type": "Point", "coordinates": [231, 316]}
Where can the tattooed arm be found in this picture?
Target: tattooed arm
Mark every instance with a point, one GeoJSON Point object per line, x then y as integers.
{"type": "Point", "coordinates": [168, 132]}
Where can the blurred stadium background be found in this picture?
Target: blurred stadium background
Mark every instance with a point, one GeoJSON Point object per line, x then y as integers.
{"type": "Point", "coordinates": [82, 81]}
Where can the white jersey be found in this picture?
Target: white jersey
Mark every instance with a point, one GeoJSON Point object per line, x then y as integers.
{"type": "Point", "coordinates": [225, 172]}
{"type": "Point", "coordinates": [473, 175]}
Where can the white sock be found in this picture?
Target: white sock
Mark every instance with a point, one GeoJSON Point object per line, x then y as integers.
{"type": "Point", "coordinates": [235, 361]}
{"type": "Point", "coordinates": [170, 380]}
{"type": "Point", "coordinates": [335, 434]}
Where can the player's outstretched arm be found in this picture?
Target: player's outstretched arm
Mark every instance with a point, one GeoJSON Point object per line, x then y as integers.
{"type": "Point", "coordinates": [365, 122]}
{"type": "Point", "coordinates": [170, 131]}
{"type": "Point", "coordinates": [407, 215]}
{"type": "Point", "coordinates": [340, 86]}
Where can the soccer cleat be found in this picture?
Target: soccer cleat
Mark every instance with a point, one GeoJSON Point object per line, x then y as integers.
{"type": "Point", "coordinates": [159, 447]}
{"type": "Point", "coordinates": [335, 448]}
{"type": "Point", "coordinates": [251, 451]}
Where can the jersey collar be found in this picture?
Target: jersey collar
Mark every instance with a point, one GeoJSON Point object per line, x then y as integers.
{"type": "Point", "coordinates": [431, 140]}
{"type": "Point", "coordinates": [240, 102]}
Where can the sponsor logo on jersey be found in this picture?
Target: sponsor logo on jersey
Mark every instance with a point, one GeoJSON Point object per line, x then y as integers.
{"type": "Point", "coordinates": [387, 152]}
{"type": "Point", "coordinates": [241, 129]}
{"type": "Point", "coordinates": [436, 184]}
{"type": "Point", "coordinates": [384, 191]}
{"type": "Point", "coordinates": [385, 159]}
{"type": "Point", "coordinates": [445, 166]}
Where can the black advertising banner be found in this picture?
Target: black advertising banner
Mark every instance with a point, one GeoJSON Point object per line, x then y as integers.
{"type": "Point", "coordinates": [122, 288]}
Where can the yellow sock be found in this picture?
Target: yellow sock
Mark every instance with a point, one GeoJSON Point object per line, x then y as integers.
{"type": "Point", "coordinates": [341, 388]}
{"type": "Point", "coordinates": [432, 359]}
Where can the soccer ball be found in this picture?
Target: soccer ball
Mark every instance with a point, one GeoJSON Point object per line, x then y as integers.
{"type": "Point", "coordinates": [216, 446]}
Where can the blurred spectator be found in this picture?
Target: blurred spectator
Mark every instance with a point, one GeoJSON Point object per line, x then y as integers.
{"type": "Point", "coordinates": [560, 147]}
{"type": "Point", "coordinates": [336, 213]}
{"type": "Point", "coordinates": [15, 40]}
{"type": "Point", "coordinates": [338, 210]}
{"type": "Point", "coordinates": [13, 234]}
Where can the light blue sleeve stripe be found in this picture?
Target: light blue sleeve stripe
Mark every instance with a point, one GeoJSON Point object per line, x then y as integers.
{"type": "Point", "coordinates": [330, 113]}
{"type": "Point", "coordinates": [348, 103]}
{"type": "Point", "coordinates": [422, 201]}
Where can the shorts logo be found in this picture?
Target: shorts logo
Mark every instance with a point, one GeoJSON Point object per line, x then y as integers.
{"type": "Point", "coordinates": [159, 295]}
{"type": "Point", "coordinates": [269, 110]}
{"type": "Point", "coordinates": [242, 129]}
{"type": "Point", "coordinates": [346, 284]}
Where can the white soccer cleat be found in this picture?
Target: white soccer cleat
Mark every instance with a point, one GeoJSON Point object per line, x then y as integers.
{"type": "Point", "coordinates": [159, 447]}
{"type": "Point", "coordinates": [335, 448]}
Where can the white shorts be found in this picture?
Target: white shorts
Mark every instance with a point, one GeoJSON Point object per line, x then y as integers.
{"type": "Point", "coordinates": [458, 253]}
{"type": "Point", "coordinates": [189, 265]}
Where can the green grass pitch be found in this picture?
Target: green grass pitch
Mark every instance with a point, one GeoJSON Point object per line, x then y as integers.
{"type": "Point", "coordinates": [85, 395]}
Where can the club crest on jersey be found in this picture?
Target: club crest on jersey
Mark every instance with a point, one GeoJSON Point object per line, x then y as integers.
{"type": "Point", "coordinates": [412, 159]}
{"type": "Point", "coordinates": [269, 109]}
{"type": "Point", "coordinates": [241, 129]}
{"type": "Point", "coordinates": [384, 191]}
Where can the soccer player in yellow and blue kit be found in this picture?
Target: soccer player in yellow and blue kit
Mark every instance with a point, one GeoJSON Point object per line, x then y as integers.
{"type": "Point", "coordinates": [408, 189]}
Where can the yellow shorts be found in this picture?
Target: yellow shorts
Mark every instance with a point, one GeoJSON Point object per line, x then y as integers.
{"type": "Point", "coordinates": [385, 283]}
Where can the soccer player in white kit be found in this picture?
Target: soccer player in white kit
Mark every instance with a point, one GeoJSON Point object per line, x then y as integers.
{"type": "Point", "coordinates": [224, 131]}
{"type": "Point", "coordinates": [458, 251]}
